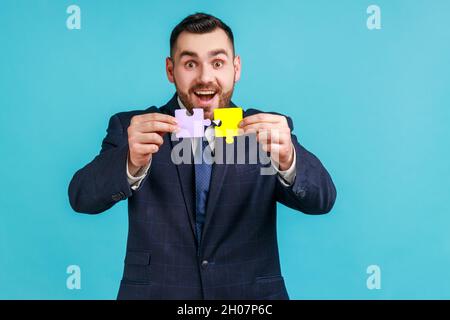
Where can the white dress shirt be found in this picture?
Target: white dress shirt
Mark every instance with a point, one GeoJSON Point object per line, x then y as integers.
{"type": "Point", "coordinates": [286, 177]}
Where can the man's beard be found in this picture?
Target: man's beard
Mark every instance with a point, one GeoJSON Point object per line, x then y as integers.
{"type": "Point", "coordinates": [224, 97]}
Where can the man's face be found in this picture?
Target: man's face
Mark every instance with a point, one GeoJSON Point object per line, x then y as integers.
{"type": "Point", "coordinates": [204, 70]}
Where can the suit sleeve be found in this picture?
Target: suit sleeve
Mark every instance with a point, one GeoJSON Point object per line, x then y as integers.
{"type": "Point", "coordinates": [103, 182]}
{"type": "Point", "coordinates": [313, 191]}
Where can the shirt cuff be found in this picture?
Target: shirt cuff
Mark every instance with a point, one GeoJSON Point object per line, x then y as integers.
{"type": "Point", "coordinates": [287, 177]}
{"type": "Point", "coordinates": [135, 181]}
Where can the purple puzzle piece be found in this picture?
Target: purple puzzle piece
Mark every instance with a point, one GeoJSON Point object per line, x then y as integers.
{"type": "Point", "coordinates": [191, 126]}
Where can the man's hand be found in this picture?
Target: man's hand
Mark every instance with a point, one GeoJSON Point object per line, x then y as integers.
{"type": "Point", "coordinates": [145, 137]}
{"type": "Point", "coordinates": [274, 135]}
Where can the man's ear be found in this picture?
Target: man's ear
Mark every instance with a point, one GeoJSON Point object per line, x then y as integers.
{"type": "Point", "coordinates": [237, 68]}
{"type": "Point", "coordinates": [169, 69]}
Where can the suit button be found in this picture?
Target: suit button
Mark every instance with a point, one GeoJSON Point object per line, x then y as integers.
{"type": "Point", "coordinates": [116, 197]}
{"type": "Point", "coordinates": [301, 193]}
{"type": "Point", "coordinates": [204, 264]}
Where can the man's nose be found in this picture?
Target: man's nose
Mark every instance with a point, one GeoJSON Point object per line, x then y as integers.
{"type": "Point", "coordinates": [206, 74]}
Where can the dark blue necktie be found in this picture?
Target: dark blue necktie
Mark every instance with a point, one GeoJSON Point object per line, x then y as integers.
{"type": "Point", "coordinates": [202, 181]}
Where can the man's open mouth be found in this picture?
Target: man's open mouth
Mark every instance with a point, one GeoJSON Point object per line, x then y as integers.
{"type": "Point", "coordinates": [205, 95]}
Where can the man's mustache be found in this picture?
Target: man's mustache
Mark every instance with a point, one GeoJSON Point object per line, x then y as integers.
{"type": "Point", "coordinates": [217, 89]}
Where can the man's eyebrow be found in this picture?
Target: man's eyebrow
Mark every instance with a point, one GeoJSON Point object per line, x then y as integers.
{"type": "Point", "coordinates": [188, 53]}
{"type": "Point", "coordinates": [216, 52]}
{"type": "Point", "coordinates": [212, 53]}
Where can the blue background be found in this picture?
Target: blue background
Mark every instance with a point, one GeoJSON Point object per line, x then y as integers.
{"type": "Point", "coordinates": [372, 105]}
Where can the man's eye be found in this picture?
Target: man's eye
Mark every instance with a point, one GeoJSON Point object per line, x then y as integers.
{"type": "Point", "coordinates": [190, 64]}
{"type": "Point", "coordinates": [218, 64]}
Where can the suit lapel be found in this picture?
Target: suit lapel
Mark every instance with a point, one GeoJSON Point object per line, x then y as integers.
{"type": "Point", "coordinates": [219, 171]}
{"type": "Point", "coordinates": [217, 176]}
{"type": "Point", "coordinates": [185, 171]}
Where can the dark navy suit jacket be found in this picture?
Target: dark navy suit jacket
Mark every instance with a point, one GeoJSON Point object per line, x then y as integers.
{"type": "Point", "coordinates": [238, 254]}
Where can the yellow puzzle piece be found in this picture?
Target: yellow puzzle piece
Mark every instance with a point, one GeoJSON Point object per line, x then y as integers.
{"type": "Point", "coordinates": [229, 118]}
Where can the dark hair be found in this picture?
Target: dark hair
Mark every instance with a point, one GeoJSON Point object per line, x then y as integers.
{"type": "Point", "coordinates": [199, 23]}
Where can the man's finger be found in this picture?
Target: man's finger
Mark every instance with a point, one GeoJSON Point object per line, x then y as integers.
{"type": "Point", "coordinates": [256, 127]}
{"type": "Point", "coordinates": [146, 149]}
{"type": "Point", "coordinates": [157, 126]}
{"type": "Point", "coordinates": [272, 137]}
{"type": "Point", "coordinates": [260, 117]}
{"type": "Point", "coordinates": [155, 117]}
{"type": "Point", "coordinates": [151, 137]}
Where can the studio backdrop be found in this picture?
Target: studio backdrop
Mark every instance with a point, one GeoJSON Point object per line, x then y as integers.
{"type": "Point", "coordinates": [367, 84]}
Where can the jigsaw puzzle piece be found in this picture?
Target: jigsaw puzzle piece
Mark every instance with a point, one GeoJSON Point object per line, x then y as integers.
{"type": "Point", "coordinates": [191, 126]}
{"type": "Point", "coordinates": [229, 118]}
